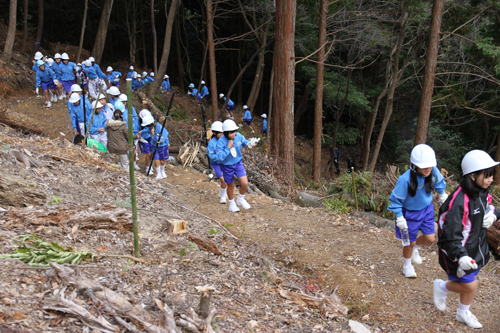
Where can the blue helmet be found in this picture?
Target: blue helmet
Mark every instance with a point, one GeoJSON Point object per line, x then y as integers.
{"type": "Point", "coordinates": [119, 106]}
{"type": "Point", "coordinates": [191, 85]}
{"type": "Point", "coordinates": [40, 63]}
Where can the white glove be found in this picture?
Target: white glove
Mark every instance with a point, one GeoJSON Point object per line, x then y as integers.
{"type": "Point", "coordinates": [117, 76]}
{"type": "Point", "coordinates": [76, 68]}
{"type": "Point", "coordinates": [467, 263]}
{"type": "Point", "coordinates": [401, 222]}
{"type": "Point", "coordinates": [442, 198]}
{"type": "Point", "coordinates": [253, 142]}
{"type": "Point", "coordinates": [37, 91]}
{"type": "Point", "coordinates": [141, 139]}
{"type": "Point", "coordinates": [56, 82]}
{"type": "Point", "coordinates": [488, 219]}
{"type": "Point", "coordinates": [117, 80]}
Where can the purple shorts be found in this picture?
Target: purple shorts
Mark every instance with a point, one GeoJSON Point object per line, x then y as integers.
{"type": "Point", "coordinates": [418, 220]}
{"type": "Point", "coordinates": [161, 153]}
{"type": "Point", "coordinates": [264, 131]}
{"type": "Point", "coordinates": [146, 148]}
{"type": "Point", "coordinates": [464, 279]}
{"type": "Point", "coordinates": [248, 122]}
{"type": "Point", "coordinates": [67, 85]}
{"type": "Point", "coordinates": [229, 171]}
{"type": "Point", "coordinates": [50, 85]}
{"type": "Point", "coordinates": [217, 170]}
{"type": "Point", "coordinates": [230, 108]}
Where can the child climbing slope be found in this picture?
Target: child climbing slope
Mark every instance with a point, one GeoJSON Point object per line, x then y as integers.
{"type": "Point", "coordinates": [212, 154]}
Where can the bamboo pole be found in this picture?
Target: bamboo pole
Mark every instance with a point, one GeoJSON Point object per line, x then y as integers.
{"type": "Point", "coordinates": [131, 168]}
{"type": "Point", "coordinates": [354, 188]}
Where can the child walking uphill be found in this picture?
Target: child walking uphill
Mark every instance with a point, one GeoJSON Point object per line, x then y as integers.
{"type": "Point", "coordinates": [411, 201]}
{"type": "Point", "coordinates": [212, 154]}
{"type": "Point", "coordinates": [229, 156]}
{"type": "Point", "coordinates": [155, 130]}
{"type": "Point", "coordinates": [462, 231]}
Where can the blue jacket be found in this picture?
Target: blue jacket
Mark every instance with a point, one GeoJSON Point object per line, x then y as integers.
{"type": "Point", "coordinates": [203, 91]}
{"type": "Point", "coordinates": [76, 112]}
{"type": "Point", "coordinates": [165, 85]}
{"type": "Point", "coordinates": [136, 84]}
{"type": "Point", "coordinates": [130, 74]}
{"type": "Point", "coordinates": [99, 72]}
{"type": "Point", "coordinates": [67, 73]}
{"type": "Point", "coordinates": [35, 67]}
{"type": "Point", "coordinates": [57, 68]}
{"type": "Point", "coordinates": [149, 79]}
{"type": "Point", "coordinates": [44, 76]}
{"type": "Point", "coordinates": [264, 124]}
{"type": "Point", "coordinates": [164, 137]}
{"type": "Point", "coordinates": [135, 120]}
{"type": "Point", "coordinates": [99, 121]}
{"type": "Point", "coordinates": [248, 115]}
{"type": "Point", "coordinates": [113, 100]}
{"type": "Point", "coordinates": [194, 92]}
{"type": "Point", "coordinates": [114, 76]}
{"type": "Point", "coordinates": [400, 198]}
{"type": "Point", "coordinates": [90, 71]}
{"type": "Point", "coordinates": [224, 153]}
{"type": "Point", "coordinates": [212, 150]}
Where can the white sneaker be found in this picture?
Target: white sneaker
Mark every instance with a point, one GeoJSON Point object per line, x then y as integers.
{"type": "Point", "coordinates": [53, 98]}
{"type": "Point", "coordinates": [60, 97]}
{"type": "Point", "coordinates": [163, 174]}
{"type": "Point", "coordinates": [439, 296]}
{"type": "Point", "coordinates": [136, 167]}
{"type": "Point", "coordinates": [233, 208]}
{"type": "Point", "coordinates": [223, 199]}
{"type": "Point", "coordinates": [253, 131]}
{"type": "Point", "coordinates": [468, 319]}
{"type": "Point", "coordinates": [243, 203]}
{"type": "Point", "coordinates": [409, 271]}
{"type": "Point", "coordinates": [151, 173]}
{"type": "Point", "coordinates": [415, 256]}
{"type": "Point", "coordinates": [49, 104]}
{"type": "Point", "coordinates": [64, 96]}
{"type": "Point", "coordinates": [159, 175]}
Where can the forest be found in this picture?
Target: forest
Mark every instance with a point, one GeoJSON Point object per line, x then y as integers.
{"type": "Point", "coordinates": [373, 73]}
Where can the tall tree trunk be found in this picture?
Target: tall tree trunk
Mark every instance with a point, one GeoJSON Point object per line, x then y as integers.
{"type": "Point", "coordinates": [211, 59]}
{"type": "Point", "coordinates": [143, 37]}
{"type": "Point", "coordinates": [429, 73]}
{"type": "Point", "coordinates": [155, 42]}
{"type": "Point", "coordinates": [100, 39]}
{"type": "Point", "coordinates": [254, 92]}
{"type": "Point", "coordinates": [318, 103]}
{"type": "Point", "coordinates": [131, 29]}
{"type": "Point", "coordinates": [11, 32]}
{"type": "Point", "coordinates": [179, 54]}
{"type": "Point", "coordinates": [82, 34]}
{"type": "Point", "coordinates": [390, 95]}
{"type": "Point", "coordinates": [166, 47]}
{"type": "Point", "coordinates": [270, 111]}
{"type": "Point", "coordinates": [365, 146]}
{"type": "Point", "coordinates": [25, 26]}
{"type": "Point", "coordinates": [284, 85]}
{"type": "Point", "coordinates": [39, 29]}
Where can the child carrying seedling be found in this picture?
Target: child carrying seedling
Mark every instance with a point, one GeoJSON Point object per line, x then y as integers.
{"type": "Point", "coordinates": [411, 201]}
{"type": "Point", "coordinates": [462, 231]}
{"type": "Point", "coordinates": [212, 154]}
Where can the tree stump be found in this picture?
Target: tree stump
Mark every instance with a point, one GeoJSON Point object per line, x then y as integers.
{"type": "Point", "coordinates": [17, 192]}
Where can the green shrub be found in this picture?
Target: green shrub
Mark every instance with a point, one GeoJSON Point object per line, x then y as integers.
{"type": "Point", "coordinates": [338, 205]}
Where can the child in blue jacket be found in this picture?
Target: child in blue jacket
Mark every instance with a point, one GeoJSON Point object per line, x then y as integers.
{"type": "Point", "coordinates": [229, 156]}
{"type": "Point", "coordinates": [98, 125]}
{"type": "Point", "coordinates": [165, 85]}
{"type": "Point", "coordinates": [212, 154]}
{"type": "Point", "coordinates": [229, 107]}
{"type": "Point", "coordinates": [264, 124]}
{"type": "Point", "coordinates": [247, 118]}
{"type": "Point", "coordinates": [113, 77]}
{"type": "Point", "coordinates": [75, 108]}
{"type": "Point", "coordinates": [45, 78]}
{"type": "Point", "coordinates": [154, 129]}
{"type": "Point", "coordinates": [411, 201]}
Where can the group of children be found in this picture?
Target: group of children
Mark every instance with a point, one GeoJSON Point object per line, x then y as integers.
{"type": "Point", "coordinates": [464, 217]}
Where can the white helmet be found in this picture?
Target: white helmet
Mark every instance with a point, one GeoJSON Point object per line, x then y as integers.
{"type": "Point", "coordinates": [202, 82]}
{"type": "Point", "coordinates": [245, 107]}
{"type": "Point", "coordinates": [263, 115]}
{"type": "Point", "coordinates": [131, 68]}
{"type": "Point", "coordinates": [139, 75]}
{"type": "Point", "coordinates": [65, 56]}
{"type": "Point", "coordinates": [476, 160]}
{"type": "Point", "coordinates": [221, 95]}
{"type": "Point", "coordinates": [87, 63]}
{"type": "Point", "coordinates": [38, 55]}
{"type": "Point", "coordinates": [99, 105]}
{"type": "Point", "coordinates": [166, 76]}
{"type": "Point", "coordinates": [92, 59]}
{"type": "Point", "coordinates": [144, 73]}
{"type": "Point", "coordinates": [75, 87]}
{"type": "Point", "coordinates": [423, 156]}
{"type": "Point", "coordinates": [74, 97]}
{"type": "Point", "coordinates": [229, 125]}
{"type": "Point", "coordinates": [109, 69]}
{"type": "Point", "coordinates": [101, 96]}
{"type": "Point", "coordinates": [114, 91]}
{"type": "Point", "coordinates": [152, 74]}
{"type": "Point", "coordinates": [135, 75]}
{"type": "Point", "coordinates": [50, 61]}
{"type": "Point", "coordinates": [57, 56]}
{"type": "Point", "coordinates": [144, 113]}
{"type": "Point", "coordinates": [122, 98]}
{"type": "Point", "coordinates": [148, 120]}
{"type": "Point", "coordinates": [217, 126]}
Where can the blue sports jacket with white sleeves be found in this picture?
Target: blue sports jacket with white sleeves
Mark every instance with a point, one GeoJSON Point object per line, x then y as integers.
{"type": "Point", "coordinates": [400, 198]}
{"type": "Point", "coordinates": [224, 153]}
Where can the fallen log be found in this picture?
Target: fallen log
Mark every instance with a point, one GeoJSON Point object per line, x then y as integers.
{"type": "Point", "coordinates": [100, 216]}
{"type": "Point", "coordinates": [17, 192]}
{"type": "Point", "coordinates": [205, 244]}
{"type": "Point", "coordinates": [174, 227]}
{"type": "Point", "coordinates": [18, 120]}
{"type": "Point", "coordinates": [273, 192]}
{"type": "Point", "coordinates": [200, 168]}
{"type": "Point", "coordinates": [305, 199]}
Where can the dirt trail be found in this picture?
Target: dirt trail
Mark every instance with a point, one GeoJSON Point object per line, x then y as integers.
{"type": "Point", "coordinates": [343, 253]}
